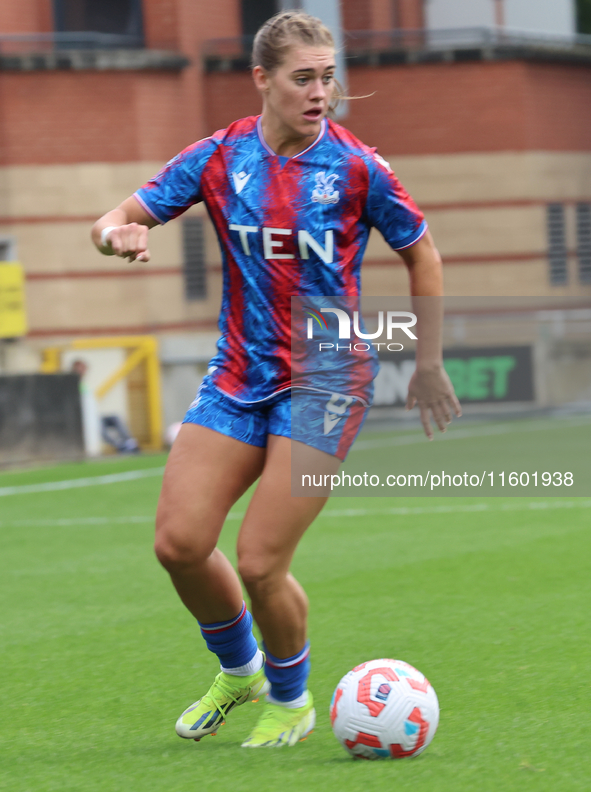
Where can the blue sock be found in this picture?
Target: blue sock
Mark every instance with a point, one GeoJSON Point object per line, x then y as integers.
{"type": "Point", "coordinates": [232, 641]}
{"type": "Point", "coordinates": [288, 676]}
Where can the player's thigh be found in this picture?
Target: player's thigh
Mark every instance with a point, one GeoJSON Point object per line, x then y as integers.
{"type": "Point", "coordinates": [275, 521]}
{"type": "Point", "coordinates": [205, 475]}
{"type": "Point", "coordinates": [327, 422]}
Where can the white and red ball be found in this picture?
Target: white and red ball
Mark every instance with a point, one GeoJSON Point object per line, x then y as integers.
{"type": "Point", "coordinates": [384, 709]}
{"type": "Point", "coordinates": [171, 433]}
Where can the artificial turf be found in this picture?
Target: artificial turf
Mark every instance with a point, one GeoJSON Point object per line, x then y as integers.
{"type": "Point", "coordinates": [488, 597]}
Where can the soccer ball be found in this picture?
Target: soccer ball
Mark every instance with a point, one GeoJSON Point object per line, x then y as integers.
{"type": "Point", "coordinates": [384, 709]}
{"type": "Point", "coordinates": [171, 433]}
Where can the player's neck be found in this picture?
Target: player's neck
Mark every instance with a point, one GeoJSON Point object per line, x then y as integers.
{"type": "Point", "coordinates": [285, 142]}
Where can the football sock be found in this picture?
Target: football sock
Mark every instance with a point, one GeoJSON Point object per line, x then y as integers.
{"type": "Point", "coordinates": [288, 677]}
{"type": "Point", "coordinates": [234, 644]}
{"type": "Point", "coordinates": [249, 668]}
{"type": "Point", "coordinates": [301, 701]}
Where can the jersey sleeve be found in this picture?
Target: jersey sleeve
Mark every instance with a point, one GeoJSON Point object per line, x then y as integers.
{"type": "Point", "coordinates": [389, 207]}
{"type": "Point", "coordinates": [178, 185]}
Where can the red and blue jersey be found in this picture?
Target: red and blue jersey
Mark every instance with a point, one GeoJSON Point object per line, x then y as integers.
{"type": "Point", "coordinates": [287, 227]}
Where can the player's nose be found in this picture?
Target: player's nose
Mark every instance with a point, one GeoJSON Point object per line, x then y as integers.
{"type": "Point", "coordinates": [318, 90]}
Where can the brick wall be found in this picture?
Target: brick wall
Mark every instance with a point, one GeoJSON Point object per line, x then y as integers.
{"type": "Point", "coordinates": [26, 16]}
{"type": "Point", "coordinates": [103, 116]}
{"type": "Point", "coordinates": [448, 108]}
{"type": "Point", "coordinates": [356, 15]}
{"type": "Point", "coordinates": [558, 106]}
{"type": "Point", "coordinates": [462, 136]}
{"type": "Point", "coordinates": [440, 109]}
{"type": "Point", "coordinates": [161, 24]}
{"type": "Point", "coordinates": [98, 116]}
{"type": "Point", "coordinates": [63, 117]}
{"type": "Point", "coordinates": [229, 96]}
{"type": "Point", "coordinates": [183, 25]}
{"type": "Point", "coordinates": [382, 14]}
{"type": "Point", "coordinates": [409, 14]}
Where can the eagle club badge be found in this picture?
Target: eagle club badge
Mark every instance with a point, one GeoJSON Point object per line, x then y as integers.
{"type": "Point", "coordinates": [324, 191]}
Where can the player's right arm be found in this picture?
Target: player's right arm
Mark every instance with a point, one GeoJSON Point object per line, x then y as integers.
{"type": "Point", "coordinates": [127, 236]}
{"type": "Point", "coordinates": [177, 186]}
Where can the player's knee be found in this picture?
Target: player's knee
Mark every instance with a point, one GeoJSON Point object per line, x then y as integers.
{"type": "Point", "coordinates": [178, 550]}
{"type": "Point", "coordinates": [257, 574]}
{"type": "Point", "coordinates": [172, 555]}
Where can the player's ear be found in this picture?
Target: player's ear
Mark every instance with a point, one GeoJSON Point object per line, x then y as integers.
{"type": "Point", "coordinates": [261, 79]}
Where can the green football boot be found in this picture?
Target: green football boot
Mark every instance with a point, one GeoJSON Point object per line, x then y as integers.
{"type": "Point", "coordinates": [279, 726]}
{"type": "Point", "coordinates": [209, 713]}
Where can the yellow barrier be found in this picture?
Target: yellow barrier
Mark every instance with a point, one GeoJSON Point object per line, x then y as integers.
{"type": "Point", "coordinates": [141, 350]}
{"type": "Point", "coordinates": [13, 318]}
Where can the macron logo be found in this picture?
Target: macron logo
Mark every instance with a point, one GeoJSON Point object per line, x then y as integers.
{"type": "Point", "coordinates": [240, 180]}
{"type": "Point", "coordinates": [330, 421]}
{"type": "Point", "coordinates": [334, 412]}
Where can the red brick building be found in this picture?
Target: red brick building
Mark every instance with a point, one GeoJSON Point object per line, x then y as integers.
{"type": "Point", "coordinates": [491, 136]}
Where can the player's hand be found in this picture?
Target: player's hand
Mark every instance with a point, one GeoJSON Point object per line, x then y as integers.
{"type": "Point", "coordinates": [130, 242]}
{"type": "Point", "coordinates": [432, 390]}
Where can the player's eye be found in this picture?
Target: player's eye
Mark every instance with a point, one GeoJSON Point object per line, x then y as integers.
{"type": "Point", "coordinates": [301, 80]}
{"type": "Point", "coordinates": [327, 79]}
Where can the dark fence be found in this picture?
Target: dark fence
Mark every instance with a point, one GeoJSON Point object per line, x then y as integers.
{"type": "Point", "coordinates": [40, 418]}
{"type": "Point", "coordinates": [26, 43]}
{"type": "Point", "coordinates": [389, 47]}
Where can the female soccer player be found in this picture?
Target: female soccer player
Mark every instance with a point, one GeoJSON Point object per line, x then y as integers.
{"type": "Point", "coordinates": [292, 196]}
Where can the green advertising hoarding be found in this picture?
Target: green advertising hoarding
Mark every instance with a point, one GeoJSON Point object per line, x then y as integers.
{"type": "Point", "coordinates": [479, 375]}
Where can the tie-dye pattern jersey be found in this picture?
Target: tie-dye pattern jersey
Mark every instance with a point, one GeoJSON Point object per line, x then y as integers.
{"type": "Point", "coordinates": [287, 227]}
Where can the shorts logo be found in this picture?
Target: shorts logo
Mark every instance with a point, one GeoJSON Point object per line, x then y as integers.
{"type": "Point", "coordinates": [334, 412]}
{"type": "Point", "coordinates": [324, 191]}
{"type": "Point", "coordinates": [330, 421]}
{"type": "Point", "coordinates": [240, 180]}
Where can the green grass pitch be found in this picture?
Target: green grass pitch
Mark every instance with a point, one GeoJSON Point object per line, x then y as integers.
{"type": "Point", "coordinates": [98, 657]}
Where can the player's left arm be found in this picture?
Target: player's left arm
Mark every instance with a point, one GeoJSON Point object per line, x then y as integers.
{"type": "Point", "coordinates": [430, 386]}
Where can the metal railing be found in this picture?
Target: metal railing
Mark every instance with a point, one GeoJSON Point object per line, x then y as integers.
{"type": "Point", "coordinates": [236, 47]}
{"type": "Point", "coordinates": [27, 43]}
{"type": "Point", "coordinates": [460, 38]}
{"type": "Point", "coordinates": [359, 42]}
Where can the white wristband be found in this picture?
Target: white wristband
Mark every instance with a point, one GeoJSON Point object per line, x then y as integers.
{"type": "Point", "coordinates": [104, 234]}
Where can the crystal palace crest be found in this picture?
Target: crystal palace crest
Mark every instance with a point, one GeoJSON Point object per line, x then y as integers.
{"type": "Point", "coordinates": [324, 191]}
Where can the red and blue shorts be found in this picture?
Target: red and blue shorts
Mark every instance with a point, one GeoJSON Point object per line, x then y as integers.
{"type": "Point", "coordinates": [329, 422]}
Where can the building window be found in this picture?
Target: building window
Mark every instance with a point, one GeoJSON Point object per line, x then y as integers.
{"type": "Point", "coordinates": [584, 241]}
{"type": "Point", "coordinates": [256, 12]}
{"type": "Point", "coordinates": [7, 248]}
{"type": "Point", "coordinates": [557, 252]}
{"type": "Point", "coordinates": [119, 17]}
{"type": "Point", "coordinates": [194, 269]}
{"type": "Point", "coordinates": [583, 16]}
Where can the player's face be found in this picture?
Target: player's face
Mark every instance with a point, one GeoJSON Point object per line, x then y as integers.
{"type": "Point", "coordinates": [297, 94]}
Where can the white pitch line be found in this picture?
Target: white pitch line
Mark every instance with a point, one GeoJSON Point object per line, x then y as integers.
{"type": "Point", "coordinates": [461, 508]}
{"type": "Point", "coordinates": [580, 503]}
{"type": "Point", "coordinates": [91, 481]}
{"type": "Point", "coordinates": [467, 434]}
{"type": "Point", "coordinates": [66, 522]}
